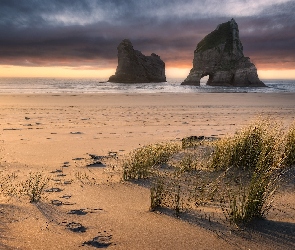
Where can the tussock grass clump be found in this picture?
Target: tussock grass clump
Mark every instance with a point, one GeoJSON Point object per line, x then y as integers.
{"type": "Point", "coordinates": [168, 193]}
{"type": "Point", "coordinates": [258, 201]}
{"type": "Point", "coordinates": [289, 153]}
{"type": "Point", "coordinates": [188, 162]}
{"type": "Point", "coordinates": [245, 148]}
{"type": "Point", "coordinates": [140, 162]}
{"type": "Point", "coordinates": [34, 186]}
{"type": "Point", "coordinates": [157, 194]}
{"type": "Point", "coordinates": [233, 204]}
{"type": "Point", "coordinates": [257, 149]}
{"type": "Point", "coordinates": [250, 199]}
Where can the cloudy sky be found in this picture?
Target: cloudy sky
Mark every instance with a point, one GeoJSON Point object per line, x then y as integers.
{"type": "Point", "coordinates": [80, 37]}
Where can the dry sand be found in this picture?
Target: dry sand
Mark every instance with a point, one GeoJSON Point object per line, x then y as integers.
{"type": "Point", "coordinates": [45, 132]}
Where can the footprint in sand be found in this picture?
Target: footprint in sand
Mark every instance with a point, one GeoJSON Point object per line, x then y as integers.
{"type": "Point", "coordinates": [103, 240]}
{"type": "Point", "coordinates": [78, 159]}
{"type": "Point", "coordinates": [56, 202]}
{"type": "Point", "coordinates": [76, 227]}
{"type": "Point", "coordinates": [66, 196]}
{"type": "Point", "coordinates": [56, 171]}
{"type": "Point", "coordinates": [83, 211]}
{"type": "Point", "coordinates": [76, 133]}
{"type": "Point", "coordinates": [61, 175]}
{"type": "Point", "coordinates": [96, 164]}
{"type": "Point", "coordinates": [67, 203]}
{"type": "Point", "coordinates": [53, 190]}
{"type": "Point", "coordinates": [67, 182]}
{"type": "Point", "coordinates": [60, 203]}
{"type": "Point", "coordinates": [78, 211]}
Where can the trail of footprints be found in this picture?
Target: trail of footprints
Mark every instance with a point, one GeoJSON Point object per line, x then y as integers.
{"type": "Point", "coordinates": [103, 239]}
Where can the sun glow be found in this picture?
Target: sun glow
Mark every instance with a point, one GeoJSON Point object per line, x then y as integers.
{"type": "Point", "coordinates": [276, 74]}
{"type": "Point", "coordinates": [20, 71]}
{"type": "Point", "coordinates": [68, 72]}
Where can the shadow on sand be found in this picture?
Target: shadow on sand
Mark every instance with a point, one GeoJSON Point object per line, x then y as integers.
{"type": "Point", "coordinates": [260, 234]}
{"type": "Point", "coordinates": [7, 216]}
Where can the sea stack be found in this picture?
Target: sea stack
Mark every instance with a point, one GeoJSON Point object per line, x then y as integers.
{"type": "Point", "coordinates": [134, 67]}
{"type": "Point", "coordinates": [220, 55]}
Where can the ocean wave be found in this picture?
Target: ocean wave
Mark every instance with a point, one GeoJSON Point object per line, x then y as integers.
{"type": "Point", "coordinates": [62, 85]}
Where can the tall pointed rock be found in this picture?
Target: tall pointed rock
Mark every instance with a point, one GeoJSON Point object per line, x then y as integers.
{"type": "Point", "coordinates": [220, 55]}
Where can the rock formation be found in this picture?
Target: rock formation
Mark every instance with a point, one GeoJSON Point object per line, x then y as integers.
{"type": "Point", "coordinates": [220, 55]}
{"type": "Point", "coordinates": [134, 67]}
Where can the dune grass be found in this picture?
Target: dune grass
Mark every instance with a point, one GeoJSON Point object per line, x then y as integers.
{"type": "Point", "coordinates": [157, 194]}
{"type": "Point", "coordinates": [240, 172]}
{"type": "Point", "coordinates": [140, 163]}
{"type": "Point", "coordinates": [257, 149]}
{"type": "Point", "coordinates": [245, 148]}
{"type": "Point", "coordinates": [250, 198]}
{"type": "Point", "coordinates": [289, 152]}
{"type": "Point", "coordinates": [34, 186]}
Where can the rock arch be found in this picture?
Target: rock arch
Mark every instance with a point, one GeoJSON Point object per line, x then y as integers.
{"type": "Point", "coordinates": [220, 55]}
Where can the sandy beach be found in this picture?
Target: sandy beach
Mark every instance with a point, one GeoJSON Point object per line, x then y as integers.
{"type": "Point", "coordinates": [46, 132]}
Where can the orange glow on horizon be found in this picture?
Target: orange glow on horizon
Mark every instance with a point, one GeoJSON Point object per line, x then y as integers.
{"type": "Point", "coordinates": [56, 72]}
{"type": "Point", "coordinates": [67, 72]}
{"type": "Point", "coordinates": [277, 74]}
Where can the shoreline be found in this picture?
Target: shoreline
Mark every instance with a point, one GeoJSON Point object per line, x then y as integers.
{"type": "Point", "coordinates": [92, 86]}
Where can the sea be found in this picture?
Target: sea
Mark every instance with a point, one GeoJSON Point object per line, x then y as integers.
{"type": "Point", "coordinates": [91, 86]}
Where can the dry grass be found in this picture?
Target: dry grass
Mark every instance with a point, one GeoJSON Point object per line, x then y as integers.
{"type": "Point", "coordinates": [258, 150]}
{"type": "Point", "coordinates": [34, 186]}
{"type": "Point", "coordinates": [289, 152]}
{"type": "Point", "coordinates": [244, 149]}
{"type": "Point", "coordinates": [240, 174]}
{"type": "Point", "coordinates": [7, 184]}
{"type": "Point", "coordinates": [141, 162]}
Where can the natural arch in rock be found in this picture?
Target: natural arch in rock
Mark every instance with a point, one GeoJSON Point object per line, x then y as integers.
{"type": "Point", "coordinates": [204, 79]}
{"type": "Point", "coordinates": [220, 55]}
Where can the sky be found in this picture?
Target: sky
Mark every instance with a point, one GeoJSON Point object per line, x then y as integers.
{"type": "Point", "coordinates": [79, 38]}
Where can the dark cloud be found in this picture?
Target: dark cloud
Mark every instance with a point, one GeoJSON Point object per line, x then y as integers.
{"type": "Point", "coordinates": [87, 32]}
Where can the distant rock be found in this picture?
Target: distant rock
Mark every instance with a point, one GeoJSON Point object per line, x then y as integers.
{"type": "Point", "coordinates": [134, 67]}
{"type": "Point", "coordinates": [220, 55]}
